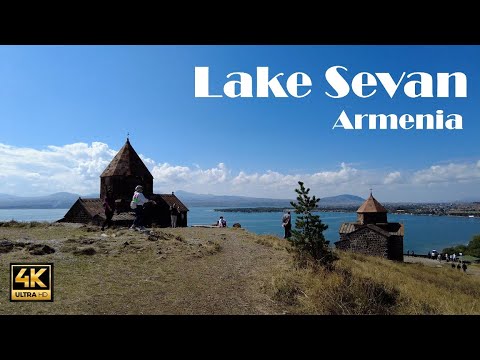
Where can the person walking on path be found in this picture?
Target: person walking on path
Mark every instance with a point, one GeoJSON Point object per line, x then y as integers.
{"type": "Point", "coordinates": [287, 225]}
{"type": "Point", "coordinates": [137, 204]}
{"type": "Point", "coordinates": [109, 206]}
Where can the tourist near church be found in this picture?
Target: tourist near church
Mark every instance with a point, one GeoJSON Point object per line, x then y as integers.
{"type": "Point", "coordinates": [124, 176]}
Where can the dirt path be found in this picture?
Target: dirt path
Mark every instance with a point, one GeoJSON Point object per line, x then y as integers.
{"type": "Point", "coordinates": [473, 270]}
{"type": "Point", "coordinates": [228, 282]}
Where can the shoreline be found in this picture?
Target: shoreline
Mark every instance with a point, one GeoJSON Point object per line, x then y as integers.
{"type": "Point", "coordinates": [281, 210]}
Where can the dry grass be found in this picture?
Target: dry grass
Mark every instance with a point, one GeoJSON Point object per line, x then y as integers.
{"type": "Point", "coordinates": [369, 285]}
{"type": "Point", "coordinates": [220, 271]}
{"type": "Point", "coordinates": [166, 271]}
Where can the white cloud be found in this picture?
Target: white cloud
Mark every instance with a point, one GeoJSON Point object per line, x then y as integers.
{"type": "Point", "coordinates": [457, 173]}
{"type": "Point", "coordinates": [393, 178]}
{"type": "Point", "coordinates": [77, 168]}
{"type": "Point", "coordinates": [73, 167]}
{"type": "Point", "coordinates": [165, 174]}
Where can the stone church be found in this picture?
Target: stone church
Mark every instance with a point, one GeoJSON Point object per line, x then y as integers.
{"type": "Point", "coordinates": [122, 175]}
{"type": "Point", "coordinates": [372, 234]}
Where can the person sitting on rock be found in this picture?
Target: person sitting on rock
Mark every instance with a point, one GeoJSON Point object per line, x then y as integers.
{"type": "Point", "coordinates": [222, 222]}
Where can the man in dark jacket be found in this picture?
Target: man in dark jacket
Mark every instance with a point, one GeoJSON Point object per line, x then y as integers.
{"type": "Point", "coordinates": [109, 206]}
{"type": "Point", "coordinates": [287, 224]}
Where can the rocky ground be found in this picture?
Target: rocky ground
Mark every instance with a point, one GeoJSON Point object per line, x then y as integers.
{"type": "Point", "coordinates": [219, 271]}
{"type": "Point", "coordinates": [162, 271]}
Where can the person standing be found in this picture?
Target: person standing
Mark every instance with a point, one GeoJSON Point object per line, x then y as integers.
{"type": "Point", "coordinates": [287, 224]}
{"type": "Point", "coordinates": [139, 200]}
{"type": "Point", "coordinates": [109, 206]}
{"type": "Point", "coordinates": [173, 215]}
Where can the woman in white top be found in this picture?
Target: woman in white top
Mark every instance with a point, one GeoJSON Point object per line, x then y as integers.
{"type": "Point", "coordinates": [139, 199]}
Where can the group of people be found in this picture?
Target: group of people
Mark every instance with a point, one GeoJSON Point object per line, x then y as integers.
{"type": "Point", "coordinates": [139, 200]}
{"type": "Point", "coordinates": [286, 223]}
{"type": "Point", "coordinates": [458, 266]}
{"type": "Point", "coordinates": [137, 204]}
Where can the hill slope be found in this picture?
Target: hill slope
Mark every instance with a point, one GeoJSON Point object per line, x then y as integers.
{"type": "Point", "coordinates": [219, 271]}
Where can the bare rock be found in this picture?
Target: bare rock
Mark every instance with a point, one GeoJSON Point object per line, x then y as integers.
{"type": "Point", "coordinates": [40, 249]}
{"type": "Point", "coordinates": [85, 251]}
{"type": "Point", "coordinates": [6, 246]}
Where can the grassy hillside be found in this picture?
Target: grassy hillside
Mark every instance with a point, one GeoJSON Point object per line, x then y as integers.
{"type": "Point", "coordinates": [218, 271]}
{"type": "Point", "coordinates": [368, 285]}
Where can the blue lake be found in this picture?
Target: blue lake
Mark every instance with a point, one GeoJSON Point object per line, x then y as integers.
{"type": "Point", "coordinates": [422, 233]}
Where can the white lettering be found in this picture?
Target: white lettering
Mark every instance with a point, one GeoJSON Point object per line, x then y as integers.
{"type": "Point", "coordinates": [244, 84]}
{"type": "Point", "coordinates": [337, 82]}
{"type": "Point", "coordinates": [455, 123]}
{"type": "Point", "coordinates": [293, 84]}
{"type": "Point", "coordinates": [405, 121]}
{"type": "Point", "coordinates": [358, 84]}
{"type": "Point", "coordinates": [344, 121]}
{"type": "Point", "coordinates": [460, 84]}
{"type": "Point", "coordinates": [388, 83]}
{"type": "Point", "coordinates": [425, 84]}
{"type": "Point", "coordinates": [201, 82]}
{"type": "Point", "coordinates": [373, 119]}
{"type": "Point", "coordinates": [264, 84]}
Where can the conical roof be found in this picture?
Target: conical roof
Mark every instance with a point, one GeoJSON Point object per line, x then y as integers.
{"type": "Point", "coordinates": [371, 205]}
{"type": "Point", "coordinates": [126, 163]}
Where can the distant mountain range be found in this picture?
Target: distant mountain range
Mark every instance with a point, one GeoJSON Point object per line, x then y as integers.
{"type": "Point", "coordinates": [64, 200]}
{"type": "Point", "coordinates": [60, 200]}
{"type": "Point", "coordinates": [191, 199]}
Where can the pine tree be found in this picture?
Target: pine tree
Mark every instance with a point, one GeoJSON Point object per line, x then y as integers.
{"type": "Point", "coordinates": [307, 237]}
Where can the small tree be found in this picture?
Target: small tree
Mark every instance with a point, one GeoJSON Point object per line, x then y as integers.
{"type": "Point", "coordinates": [307, 237]}
{"type": "Point", "coordinates": [473, 247]}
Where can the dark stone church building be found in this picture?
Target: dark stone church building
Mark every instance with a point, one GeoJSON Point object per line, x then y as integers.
{"type": "Point", "coordinates": [372, 234]}
{"type": "Point", "coordinates": [122, 175]}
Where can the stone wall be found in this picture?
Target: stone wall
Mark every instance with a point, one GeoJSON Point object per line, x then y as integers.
{"type": "Point", "coordinates": [77, 214]}
{"type": "Point", "coordinates": [371, 218]}
{"type": "Point", "coordinates": [365, 241]}
{"type": "Point", "coordinates": [395, 248]}
{"type": "Point", "coordinates": [123, 187]}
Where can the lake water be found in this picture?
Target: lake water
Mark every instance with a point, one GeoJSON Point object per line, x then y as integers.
{"type": "Point", "coordinates": [422, 233]}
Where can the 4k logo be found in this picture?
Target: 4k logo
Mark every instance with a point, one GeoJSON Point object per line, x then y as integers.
{"type": "Point", "coordinates": [31, 282]}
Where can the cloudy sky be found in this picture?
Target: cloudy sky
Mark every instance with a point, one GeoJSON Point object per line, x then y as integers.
{"type": "Point", "coordinates": [66, 110]}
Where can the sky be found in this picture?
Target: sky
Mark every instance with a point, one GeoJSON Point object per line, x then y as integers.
{"type": "Point", "coordinates": [66, 110]}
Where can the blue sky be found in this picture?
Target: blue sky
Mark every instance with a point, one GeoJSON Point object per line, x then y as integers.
{"type": "Point", "coordinates": [66, 110]}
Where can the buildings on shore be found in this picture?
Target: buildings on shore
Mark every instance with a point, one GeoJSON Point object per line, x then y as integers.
{"type": "Point", "coordinates": [371, 234]}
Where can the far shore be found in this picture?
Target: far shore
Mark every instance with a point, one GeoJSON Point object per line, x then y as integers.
{"type": "Point", "coordinates": [341, 210]}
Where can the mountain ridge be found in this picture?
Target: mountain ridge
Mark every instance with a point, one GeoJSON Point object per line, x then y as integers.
{"type": "Point", "coordinates": [64, 200]}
